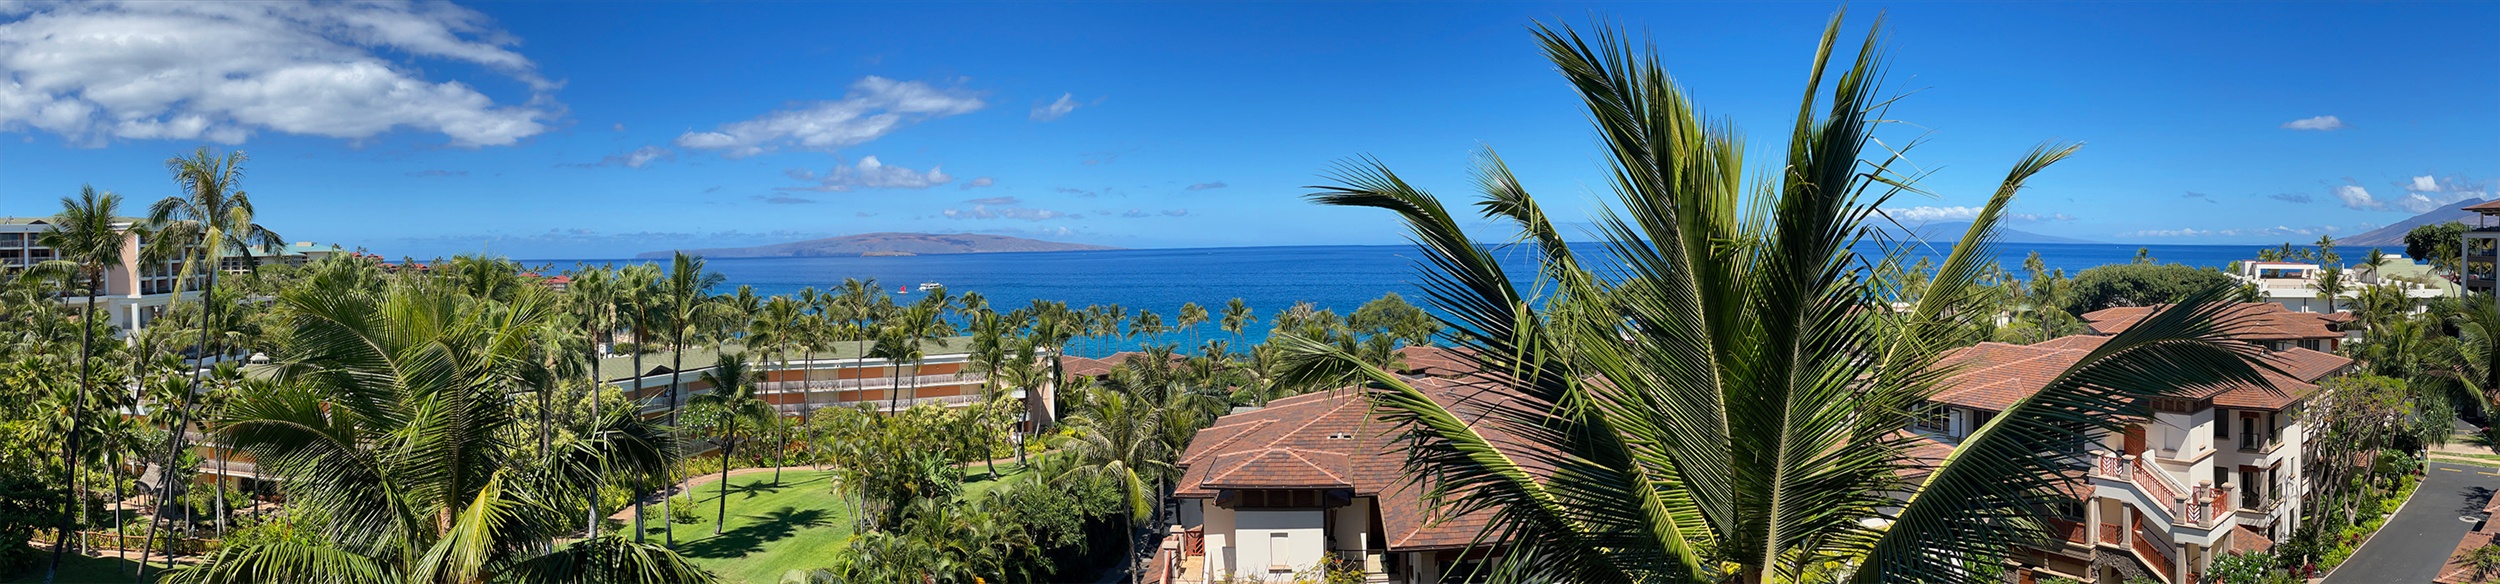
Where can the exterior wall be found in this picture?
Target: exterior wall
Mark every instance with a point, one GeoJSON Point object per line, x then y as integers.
{"type": "Point", "coordinates": [1223, 558]}
{"type": "Point", "coordinates": [1352, 529]}
{"type": "Point", "coordinates": [1276, 544]}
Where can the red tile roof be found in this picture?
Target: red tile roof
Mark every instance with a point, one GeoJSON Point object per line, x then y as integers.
{"type": "Point", "coordinates": [2485, 207]}
{"type": "Point", "coordinates": [2248, 541]}
{"type": "Point", "coordinates": [1992, 376]}
{"type": "Point", "coordinates": [1075, 366]}
{"type": "Point", "coordinates": [1330, 440]}
{"type": "Point", "coordinates": [1435, 361]}
{"type": "Point", "coordinates": [2259, 321]}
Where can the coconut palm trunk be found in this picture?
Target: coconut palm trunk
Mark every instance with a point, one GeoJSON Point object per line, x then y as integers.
{"type": "Point", "coordinates": [77, 426]}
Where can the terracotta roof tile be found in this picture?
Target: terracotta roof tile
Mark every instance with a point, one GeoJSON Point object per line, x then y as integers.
{"type": "Point", "coordinates": [1992, 376]}
{"type": "Point", "coordinates": [1331, 440]}
{"type": "Point", "coordinates": [2261, 321]}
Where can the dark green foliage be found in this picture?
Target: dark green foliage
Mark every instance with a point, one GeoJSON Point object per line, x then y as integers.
{"type": "Point", "coordinates": [27, 503]}
{"type": "Point", "coordinates": [2138, 284]}
{"type": "Point", "coordinates": [2435, 243]}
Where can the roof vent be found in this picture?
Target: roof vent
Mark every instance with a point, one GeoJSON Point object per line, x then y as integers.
{"type": "Point", "coordinates": [1341, 436]}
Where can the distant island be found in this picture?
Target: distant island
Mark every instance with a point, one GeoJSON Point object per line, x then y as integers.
{"type": "Point", "coordinates": [886, 244]}
{"type": "Point", "coordinates": [1952, 232]}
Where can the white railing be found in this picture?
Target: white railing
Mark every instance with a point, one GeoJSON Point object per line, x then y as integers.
{"type": "Point", "coordinates": [814, 385]}
{"type": "Point", "coordinates": [943, 400]}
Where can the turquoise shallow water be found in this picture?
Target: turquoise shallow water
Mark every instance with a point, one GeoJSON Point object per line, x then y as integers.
{"type": "Point", "coordinates": [1268, 278]}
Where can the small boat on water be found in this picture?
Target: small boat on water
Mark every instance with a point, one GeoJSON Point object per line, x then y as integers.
{"type": "Point", "coordinates": [927, 286]}
{"type": "Point", "coordinates": [902, 289]}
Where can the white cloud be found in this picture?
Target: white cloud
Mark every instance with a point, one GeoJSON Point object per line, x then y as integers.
{"type": "Point", "coordinates": [869, 174]}
{"type": "Point", "coordinates": [1008, 212]}
{"type": "Point", "coordinates": [995, 201]}
{"type": "Point", "coordinates": [2422, 194]}
{"type": "Point", "coordinates": [2359, 198]}
{"type": "Point", "coordinates": [639, 158]}
{"type": "Point", "coordinates": [221, 72]}
{"type": "Point", "coordinates": [1917, 215]}
{"type": "Point", "coordinates": [2320, 123]}
{"type": "Point", "coordinates": [978, 183]}
{"type": "Point", "coordinates": [1054, 110]}
{"type": "Point", "coordinates": [874, 107]}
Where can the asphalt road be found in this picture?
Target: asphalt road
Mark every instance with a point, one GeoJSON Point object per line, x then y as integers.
{"type": "Point", "coordinates": [2412, 546]}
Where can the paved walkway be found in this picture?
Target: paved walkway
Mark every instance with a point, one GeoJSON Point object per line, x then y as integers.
{"type": "Point", "coordinates": [2413, 545]}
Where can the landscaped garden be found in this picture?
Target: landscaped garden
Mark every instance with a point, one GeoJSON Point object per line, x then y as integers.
{"type": "Point", "coordinates": [798, 523]}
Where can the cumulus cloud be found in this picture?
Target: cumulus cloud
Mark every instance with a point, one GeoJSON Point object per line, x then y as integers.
{"type": "Point", "coordinates": [2423, 184]}
{"type": "Point", "coordinates": [978, 183]}
{"type": "Point", "coordinates": [2421, 194]}
{"type": "Point", "coordinates": [1054, 110]}
{"type": "Point", "coordinates": [869, 174]}
{"type": "Point", "coordinates": [874, 106]}
{"type": "Point", "coordinates": [96, 71]}
{"type": "Point", "coordinates": [2320, 124]}
{"type": "Point", "coordinates": [2290, 197]}
{"type": "Point", "coordinates": [1915, 215]}
{"type": "Point", "coordinates": [1207, 186]}
{"type": "Point", "coordinates": [994, 201]}
{"type": "Point", "coordinates": [638, 158]}
{"type": "Point", "coordinates": [1007, 212]}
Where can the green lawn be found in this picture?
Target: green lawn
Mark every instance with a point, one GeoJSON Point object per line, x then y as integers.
{"type": "Point", "coordinates": [77, 569]}
{"type": "Point", "coordinates": [799, 524]}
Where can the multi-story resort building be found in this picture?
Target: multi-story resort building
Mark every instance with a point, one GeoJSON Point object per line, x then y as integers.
{"type": "Point", "coordinates": [840, 375]}
{"type": "Point", "coordinates": [2480, 249]}
{"type": "Point", "coordinates": [2211, 473]}
{"type": "Point", "coordinates": [134, 293]}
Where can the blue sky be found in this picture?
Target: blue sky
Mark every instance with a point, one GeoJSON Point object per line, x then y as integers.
{"type": "Point", "coordinates": [570, 130]}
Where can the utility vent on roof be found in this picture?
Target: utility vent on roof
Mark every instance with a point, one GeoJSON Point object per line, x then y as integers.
{"type": "Point", "coordinates": [1341, 436]}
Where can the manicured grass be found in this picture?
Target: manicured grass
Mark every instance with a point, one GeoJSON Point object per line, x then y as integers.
{"type": "Point", "coordinates": [799, 524]}
{"type": "Point", "coordinates": [84, 570]}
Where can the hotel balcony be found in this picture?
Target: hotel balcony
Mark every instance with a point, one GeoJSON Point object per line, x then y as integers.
{"type": "Point", "coordinates": [2199, 508]}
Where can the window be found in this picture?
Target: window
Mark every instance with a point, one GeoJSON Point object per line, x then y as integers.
{"type": "Point", "coordinates": [2221, 430]}
{"type": "Point", "coordinates": [1931, 417]}
{"type": "Point", "coordinates": [1276, 541]}
{"type": "Point", "coordinates": [2274, 425]}
{"type": "Point", "coordinates": [2251, 494]}
{"type": "Point", "coordinates": [2248, 433]}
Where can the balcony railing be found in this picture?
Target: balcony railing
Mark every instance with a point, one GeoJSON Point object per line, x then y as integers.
{"type": "Point", "coordinates": [815, 385]}
{"type": "Point", "coordinates": [943, 400]}
{"type": "Point", "coordinates": [2112, 534]}
{"type": "Point", "coordinates": [2200, 506]}
{"type": "Point", "coordinates": [2072, 530]}
{"type": "Point", "coordinates": [2156, 552]}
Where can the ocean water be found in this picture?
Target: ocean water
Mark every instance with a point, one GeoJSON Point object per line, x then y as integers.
{"type": "Point", "coordinates": [1269, 279]}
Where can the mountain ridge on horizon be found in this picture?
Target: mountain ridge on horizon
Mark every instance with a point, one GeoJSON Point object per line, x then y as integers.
{"type": "Point", "coordinates": [2394, 233]}
{"type": "Point", "coordinates": [885, 243]}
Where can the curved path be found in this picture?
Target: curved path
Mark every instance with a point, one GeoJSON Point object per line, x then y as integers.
{"type": "Point", "coordinates": [2413, 545]}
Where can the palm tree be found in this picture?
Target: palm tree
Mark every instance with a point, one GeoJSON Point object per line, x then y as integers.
{"type": "Point", "coordinates": [212, 216]}
{"type": "Point", "coordinates": [1122, 439]}
{"type": "Point", "coordinates": [779, 325]}
{"type": "Point", "coordinates": [87, 235]}
{"type": "Point", "coordinates": [730, 406]}
{"type": "Point", "coordinates": [895, 346]}
{"type": "Point", "coordinates": [1720, 399]}
{"type": "Point", "coordinates": [640, 296]}
{"type": "Point", "coordinates": [1237, 314]}
{"type": "Point", "coordinates": [594, 296]}
{"type": "Point", "coordinates": [684, 297]}
{"type": "Point", "coordinates": [390, 418]}
{"type": "Point", "coordinates": [1190, 316]}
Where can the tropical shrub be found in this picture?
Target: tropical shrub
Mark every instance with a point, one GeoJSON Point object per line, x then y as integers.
{"type": "Point", "coordinates": [2140, 285]}
{"type": "Point", "coordinates": [28, 503]}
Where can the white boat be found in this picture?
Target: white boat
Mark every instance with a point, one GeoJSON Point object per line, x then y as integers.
{"type": "Point", "coordinates": [927, 286]}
